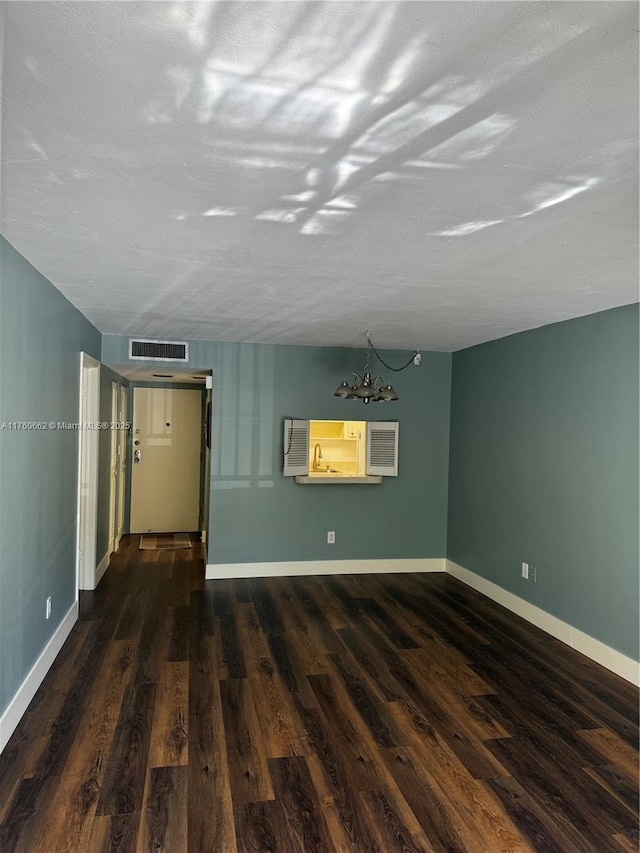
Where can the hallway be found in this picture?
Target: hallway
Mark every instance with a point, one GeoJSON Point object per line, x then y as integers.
{"type": "Point", "coordinates": [349, 713]}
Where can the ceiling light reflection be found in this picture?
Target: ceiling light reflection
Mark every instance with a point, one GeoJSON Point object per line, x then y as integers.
{"type": "Point", "coordinates": [402, 67]}
{"type": "Point", "coordinates": [288, 216]}
{"type": "Point", "coordinates": [468, 228]}
{"type": "Point", "coordinates": [324, 222]}
{"type": "Point", "coordinates": [220, 211]}
{"type": "Point", "coordinates": [347, 202]}
{"type": "Point", "coordinates": [402, 125]}
{"type": "Point", "coordinates": [305, 195]}
{"type": "Point", "coordinates": [192, 18]}
{"type": "Point", "coordinates": [550, 194]}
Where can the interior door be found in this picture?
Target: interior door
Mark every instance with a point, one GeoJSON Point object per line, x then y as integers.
{"type": "Point", "coordinates": [122, 453]}
{"type": "Point", "coordinates": [113, 470]}
{"type": "Point", "coordinates": [165, 465]}
{"type": "Point", "coordinates": [88, 473]}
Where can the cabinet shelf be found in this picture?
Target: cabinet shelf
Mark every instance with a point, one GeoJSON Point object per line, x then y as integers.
{"type": "Point", "coordinates": [320, 440]}
{"type": "Point", "coordinates": [335, 430]}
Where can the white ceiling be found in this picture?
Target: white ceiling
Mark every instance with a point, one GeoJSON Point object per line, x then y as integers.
{"type": "Point", "coordinates": [298, 172]}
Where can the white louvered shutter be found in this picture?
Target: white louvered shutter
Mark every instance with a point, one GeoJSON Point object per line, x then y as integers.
{"type": "Point", "coordinates": [295, 448]}
{"type": "Point", "coordinates": [382, 448]}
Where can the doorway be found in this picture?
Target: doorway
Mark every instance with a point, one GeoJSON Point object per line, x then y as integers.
{"type": "Point", "coordinates": [117, 458]}
{"type": "Point", "coordinates": [87, 509]}
{"type": "Point", "coordinates": [166, 460]}
{"type": "Point", "coordinates": [122, 460]}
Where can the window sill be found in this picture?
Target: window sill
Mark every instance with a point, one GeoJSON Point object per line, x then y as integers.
{"type": "Point", "coordinates": [337, 479]}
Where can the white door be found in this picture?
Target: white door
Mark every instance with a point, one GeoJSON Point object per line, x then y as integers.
{"type": "Point", "coordinates": [113, 470]}
{"type": "Point", "coordinates": [87, 473]}
{"type": "Point", "coordinates": [122, 450]}
{"type": "Point", "coordinates": [165, 464]}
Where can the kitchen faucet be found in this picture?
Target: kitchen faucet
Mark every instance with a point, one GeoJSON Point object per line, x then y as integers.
{"type": "Point", "coordinates": [317, 454]}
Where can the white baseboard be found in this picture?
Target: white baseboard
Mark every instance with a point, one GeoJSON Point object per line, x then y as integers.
{"type": "Point", "coordinates": [102, 567]}
{"type": "Point", "coordinates": [321, 567]}
{"type": "Point", "coordinates": [611, 659]}
{"type": "Point", "coordinates": [27, 690]}
{"type": "Point", "coordinates": [596, 650]}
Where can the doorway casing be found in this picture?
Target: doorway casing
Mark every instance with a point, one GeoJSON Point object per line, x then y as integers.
{"type": "Point", "coordinates": [87, 505]}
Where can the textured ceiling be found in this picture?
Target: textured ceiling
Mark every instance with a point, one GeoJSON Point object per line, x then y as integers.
{"type": "Point", "coordinates": [440, 173]}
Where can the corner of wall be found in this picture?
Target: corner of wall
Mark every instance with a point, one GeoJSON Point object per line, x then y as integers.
{"type": "Point", "coordinates": [610, 658]}
{"type": "Point", "coordinates": [27, 690]}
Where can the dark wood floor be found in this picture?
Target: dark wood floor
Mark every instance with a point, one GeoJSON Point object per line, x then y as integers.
{"type": "Point", "coordinates": [356, 713]}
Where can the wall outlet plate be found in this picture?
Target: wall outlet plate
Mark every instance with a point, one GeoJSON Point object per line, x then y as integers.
{"type": "Point", "coordinates": [331, 537]}
{"type": "Point", "coordinates": [48, 608]}
{"type": "Point", "coordinates": [525, 571]}
{"type": "Point", "coordinates": [532, 574]}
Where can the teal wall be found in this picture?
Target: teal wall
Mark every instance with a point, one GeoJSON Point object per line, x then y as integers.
{"type": "Point", "coordinates": [41, 336]}
{"type": "Point", "coordinates": [544, 469]}
{"type": "Point", "coordinates": [1, 73]}
{"type": "Point", "coordinates": [257, 515]}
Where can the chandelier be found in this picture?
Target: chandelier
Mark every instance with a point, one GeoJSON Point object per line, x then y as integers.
{"type": "Point", "coordinates": [369, 388]}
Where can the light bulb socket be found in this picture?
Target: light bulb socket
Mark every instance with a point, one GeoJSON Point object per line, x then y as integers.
{"type": "Point", "coordinates": [388, 394]}
{"type": "Point", "coordinates": [366, 390]}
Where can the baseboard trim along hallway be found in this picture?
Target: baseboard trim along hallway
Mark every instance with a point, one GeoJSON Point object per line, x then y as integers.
{"type": "Point", "coordinates": [27, 690]}
{"type": "Point", "coordinates": [102, 567]}
{"type": "Point", "coordinates": [294, 568]}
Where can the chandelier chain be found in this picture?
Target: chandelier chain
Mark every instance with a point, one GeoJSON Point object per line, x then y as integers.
{"type": "Point", "coordinates": [383, 362]}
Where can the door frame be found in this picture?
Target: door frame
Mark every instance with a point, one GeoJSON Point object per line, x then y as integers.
{"type": "Point", "coordinates": [114, 469]}
{"type": "Point", "coordinates": [87, 485]}
{"type": "Point", "coordinates": [123, 402]}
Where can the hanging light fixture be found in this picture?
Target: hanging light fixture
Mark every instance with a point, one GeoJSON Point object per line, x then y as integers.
{"type": "Point", "coordinates": [368, 388]}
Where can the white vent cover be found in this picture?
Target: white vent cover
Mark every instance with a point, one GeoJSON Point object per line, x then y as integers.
{"type": "Point", "coordinates": [382, 448]}
{"type": "Point", "coordinates": [145, 350]}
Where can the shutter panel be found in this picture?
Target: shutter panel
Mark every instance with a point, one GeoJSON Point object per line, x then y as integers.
{"type": "Point", "coordinates": [382, 448]}
{"type": "Point", "coordinates": [296, 448]}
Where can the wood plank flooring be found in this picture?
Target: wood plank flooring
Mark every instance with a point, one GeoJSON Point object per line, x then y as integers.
{"type": "Point", "coordinates": [353, 713]}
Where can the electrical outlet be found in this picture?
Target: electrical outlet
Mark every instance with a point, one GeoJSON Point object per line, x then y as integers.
{"type": "Point", "coordinates": [525, 571]}
{"type": "Point", "coordinates": [48, 608]}
{"type": "Point", "coordinates": [532, 574]}
{"type": "Point", "coordinates": [331, 537]}
{"type": "Point", "coordinates": [417, 359]}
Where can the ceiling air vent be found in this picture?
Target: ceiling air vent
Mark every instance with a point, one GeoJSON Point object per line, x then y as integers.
{"type": "Point", "coordinates": [158, 350]}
